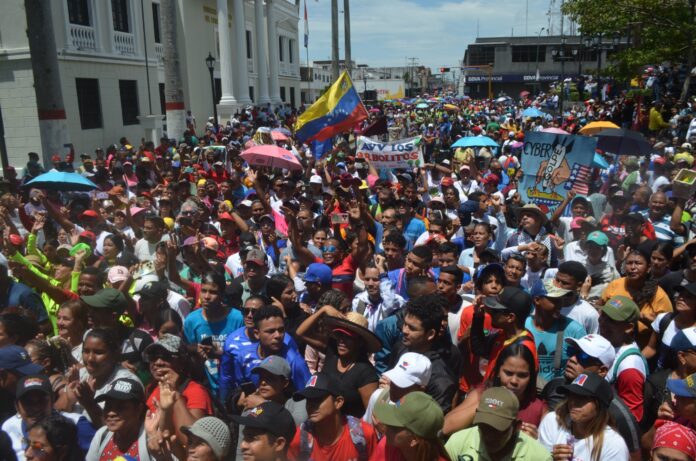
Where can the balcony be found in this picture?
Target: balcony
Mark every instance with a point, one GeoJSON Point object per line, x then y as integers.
{"type": "Point", "coordinates": [124, 44]}
{"type": "Point", "coordinates": [288, 69]}
{"type": "Point", "coordinates": [159, 51]}
{"type": "Point", "coordinates": [82, 38]}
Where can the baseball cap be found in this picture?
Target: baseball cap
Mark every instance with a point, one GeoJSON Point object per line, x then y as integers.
{"type": "Point", "coordinates": [510, 299]}
{"type": "Point", "coordinates": [16, 240]}
{"type": "Point", "coordinates": [152, 289]}
{"type": "Point", "coordinates": [256, 255]}
{"type": "Point", "coordinates": [689, 288]}
{"type": "Point", "coordinates": [576, 223]}
{"type": "Point", "coordinates": [684, 340]}
{"type": "Point", "coordinates": [497, 408]}
{"type": "Point", "coordinates": [246, 203]}
{"type": "Point", "coordinates": [417, 411]}
{"type": "Point", "coordinates": [621, 309]}
{"type": "Point", "coordinates": [89, 214]}
{"type": "Point", "coordinates": [214, 432]}
{"type": "Point", "coordinates": [547, 289]}
{"type": "Point", "coordinates": [266, 216]}
{"type": "Point", "coordinates": [30, 383]}
{"type": "Point", "coordinates": [167, 342]}
{"type": "Point", "coordinates": [412, 369]}
{"type": "Point", "coordinates": [590, 385]}
{"type": "Point", "coordinates": [598, 237]}
{"type": "Point", "coordinates": [683, 387]}
{"type": "Point", "coordinates": [275, 365]}
{"type": "Point", "coordinates": [117, 274]}
{"type": "Point", "coordinates": [315, 179]}
{"type": "Point", "coordinates": [106, 298]}
{"type": "Point", "coordinates": [135, 210]}
{"type": "Point", "coordinates": [318, 272]}
{"type": "Point", "coordinates": [89, 235]}
{"type": "Point", "coordinates": [491, 178]}
{"type": "Point", "coordinates": [319, 385]}
{"type": "Point", "coordinates": [15, 358]}
{"type": "Point", "coordinates": [225, 217]}
{"type": "Point", "coordinates": [595, 346]}
{"type": "Point", "coordinates": [271, 417]}
{"type": "Point", "coordinates": [123, 389]}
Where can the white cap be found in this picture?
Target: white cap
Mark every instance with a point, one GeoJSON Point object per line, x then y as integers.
{"type": "Point", "coordinates": [412, 369]}
{"type": "Point", "coordinates": [595, 346]}
{"type": "Point", "coordinates": [315, 179]}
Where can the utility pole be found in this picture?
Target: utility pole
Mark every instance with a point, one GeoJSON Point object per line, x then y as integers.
{"type": "Point", "coordinates": [411, 68]}
{"type": "Point", "coordinates": [334, 40]}
{"type": "Point", "coordinates": [346, 32]}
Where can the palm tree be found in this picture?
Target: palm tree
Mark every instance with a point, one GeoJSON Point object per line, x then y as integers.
{"type": "Point", "coordinates": [173, 90]}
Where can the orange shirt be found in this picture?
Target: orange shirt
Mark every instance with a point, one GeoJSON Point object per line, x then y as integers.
{"type": "Point", "coordinates": [473, 367]}
{"type": "Point", "coordinates": [342, 449]}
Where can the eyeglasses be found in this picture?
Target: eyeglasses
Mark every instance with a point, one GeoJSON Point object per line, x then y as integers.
{"type": "Point", "coordinates": [166, 356]}
{"type": "Point", "coordinates": [249, 311]}
{"type": "Point", "coordinates": [329, 249]}
{"type": "Point", "coordinates": [188, 213]}
{"type": "Point", "coordinates": [586, 359]}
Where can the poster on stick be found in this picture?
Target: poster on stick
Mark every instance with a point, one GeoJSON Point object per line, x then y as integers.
{"type": "Point", "coordinates": [553, 164]}
{"type": "Point", "coordinates": [403, 153]}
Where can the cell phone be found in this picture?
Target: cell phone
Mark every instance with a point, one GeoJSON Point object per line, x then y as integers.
{"type": "Point", "coordinates": [339, 218]}
{"type": "Point", "coordinates": [207, 341]}
{"type": "Point", "coordinates": [248, 388]}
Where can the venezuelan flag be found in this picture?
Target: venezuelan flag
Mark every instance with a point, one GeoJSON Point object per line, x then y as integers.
{"type": "Point", "coordinates": [334, 112]}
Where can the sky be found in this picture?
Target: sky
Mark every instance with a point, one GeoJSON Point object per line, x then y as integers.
{"type": "Point", "coordinates": [436, 32]}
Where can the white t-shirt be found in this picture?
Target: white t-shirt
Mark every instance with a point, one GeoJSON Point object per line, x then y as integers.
{"type": "Point", "coordinates": [234, 264]}
{"type": "Point", "coordinates": [13, 427]}
{"type": "Point", "coordinates": [613, 449]}
{"type": "Point", "coordinates": [633, 361]}
{"type": "Point", "coordinates": [145, 251]}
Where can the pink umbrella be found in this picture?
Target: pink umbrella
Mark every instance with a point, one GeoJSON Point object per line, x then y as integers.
{"type": "Point", "coordinates": [374, 110]}
{"type": "Point", "coordinates": [554, 130]}
{"type": "Point", "coordinates": [271, 156]}
{"type": "Point", "coordinates": [278, 136]}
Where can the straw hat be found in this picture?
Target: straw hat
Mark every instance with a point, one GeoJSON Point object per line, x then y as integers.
{"type": "Point", "coordinates": [350, 324]}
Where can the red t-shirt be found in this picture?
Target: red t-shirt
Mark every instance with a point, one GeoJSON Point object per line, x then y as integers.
{"type": "Point", "coordinates": [111, 451]}
{"type": "Point", "coordinates": [386, 452]}
{"type": "Point", "coordinates": [629, 386]}
{"type": "Point", "coordinates": [343, 275]}
{"type": "Point", "coordinates": [342, 450]}
{"type": "Point", "coordinates": [472, 366]}
{"type": "Point", "coordinates": [500, 343]}
{"type": "Point", "coordinates": [195, 396]}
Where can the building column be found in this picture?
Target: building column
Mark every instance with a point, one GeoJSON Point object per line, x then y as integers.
{"type": "Point", "coordinates": [261, 68]}
{"type": "Point", "coordinates": [241, 67]}
{"type": "Point", "coordinates": [228, 103]}
{"type": "Point", "coordinates": [274, 87]}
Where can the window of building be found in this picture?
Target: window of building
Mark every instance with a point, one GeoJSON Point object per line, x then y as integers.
{"type": "Point", "coordinates": [89, 103]}
{"type": "Point", "coordinates": [251, 93]}
{"type": "Point", "coordinates": [529, 53]}
{"type": "Point", "coordinates": [218, 91]}
{"type": "Point", "coordinates": [280, 49]}
{"type": "Point", "coordinates": [156, 21]}
{"type": "Point", "coordinates": [163, 99]}
{"type": "Point", "coordinates": [248, 44]}
{"type": "Point", "coordinates": [282, 93]}
{"type": "Point", "coordinates": [292, 96]}
{"type": "Point", "coordinates": [481, 55]}
{"type": "Point", "coordinates": [119, 11]}
{"type": "Point", "coordinates": [130, 107]}
{"type": "Point", "coordinates": [78, 12]}
{"type": "Point", "coordinates": [291, 45]}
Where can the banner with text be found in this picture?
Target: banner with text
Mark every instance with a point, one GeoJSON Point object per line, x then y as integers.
{"type": "Point", "coordinates": [553, 164]}
{"type": "Point", "coordinates": [403, 153]}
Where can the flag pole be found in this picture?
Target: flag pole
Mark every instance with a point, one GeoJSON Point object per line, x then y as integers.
{"type": "Point", "coordinates": [306, 45]}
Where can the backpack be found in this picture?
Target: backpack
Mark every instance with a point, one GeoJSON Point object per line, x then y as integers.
{"type": "Point", "coordinates": [357, 436]}
{"type": "Point", "coordinates": [627, 353]}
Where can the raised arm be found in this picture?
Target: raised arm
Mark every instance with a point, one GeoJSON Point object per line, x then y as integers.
{"type": "Point", "coordinates": [307, 329]}
{"type": "Point", "coordinates": [304, 256]}
{"type": "Point", "coordinates": [558, 212]}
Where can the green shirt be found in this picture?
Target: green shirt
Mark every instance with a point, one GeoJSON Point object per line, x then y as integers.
{"type": "Point", "coordinates": [466, 445]}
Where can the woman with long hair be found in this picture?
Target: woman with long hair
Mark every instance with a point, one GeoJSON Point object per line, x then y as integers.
{"type": "Point", "coordinates": [55, 357]}
{"type": "Point", "coordinates": [412, 426]}
{"type": "Point", "coordinates": [660, 259]}
{"type": "Point", "coordinates": [644, 290]}
{"type": "Point", "coordinates": [580, 428]}
{"type": "Point", "coordinates": [515, 370]}
{"type": "Point", "coordinates": [53, 439]}
{"type": "Point", "coordinates": [481, 237]}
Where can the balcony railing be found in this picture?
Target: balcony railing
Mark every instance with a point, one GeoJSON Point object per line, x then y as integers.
{"type": "Point", "coordinates": [83, 38]}
{"type": "Point", "coordinates": [124, 43]}
{"type": "Point", "coordinates": [159, 51]}
{"type": "Point", "coordinates": [288, 69]}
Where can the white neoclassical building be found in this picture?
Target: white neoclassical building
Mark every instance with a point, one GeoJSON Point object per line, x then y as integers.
{"type": "Point", "coordinates": [108, 85]}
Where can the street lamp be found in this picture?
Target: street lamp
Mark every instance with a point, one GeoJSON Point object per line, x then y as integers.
{"type": "Point", "coordinates": [563, 54]}
{"type": "Point", "coordinates": [538, 75]}
{"type": "Point", "coordinates": [210, 62]}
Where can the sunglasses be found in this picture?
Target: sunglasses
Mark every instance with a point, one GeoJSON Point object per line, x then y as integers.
{"type": "Point", "coordinates": [585, 359]}
{"type": "Point", "coordinates": [166, 356]}
{"type": "Point", "coordinates": [329, 249]}
{"type": "Point", "coordinates": [249, 311]}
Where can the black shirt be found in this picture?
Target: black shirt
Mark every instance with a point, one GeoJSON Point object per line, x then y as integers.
{"type": "Point", "coordinates": [357, 376]}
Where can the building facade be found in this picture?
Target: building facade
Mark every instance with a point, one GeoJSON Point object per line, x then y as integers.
{"type": "Point", "coordinates": [109, 88]}
{"type": "Point", "coordinates": [526, 63]}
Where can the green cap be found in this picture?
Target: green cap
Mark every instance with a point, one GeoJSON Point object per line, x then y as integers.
{"type": "Point", "coordinates": [621, 309]}
{"type": "Point", "coordinates": [498, 408]}
{"type": "Point", "coordinates": [599, 238]}
{"type": "Point", "coordinates": [417, 412]}
{"type": "Point", "coordinates": [107, 298]}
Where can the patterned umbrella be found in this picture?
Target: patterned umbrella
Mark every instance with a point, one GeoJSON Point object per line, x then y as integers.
{"type": "Point", "coordinates": [271, 156]}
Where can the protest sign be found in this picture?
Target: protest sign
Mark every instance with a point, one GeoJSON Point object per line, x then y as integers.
{"type": "Point", "coordinates": [553, 164]}
{"type": "Point", "coordinates": [403, 153]}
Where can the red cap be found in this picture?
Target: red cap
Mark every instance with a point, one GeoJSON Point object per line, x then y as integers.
{"type": "Point", "coordinates": [519, 135]}
{"type": "Point", "coordinates": [476, 129]}
{"type": "Point", "coordinates": [659, 161]}
{"type": "Point", "coordinates": [447, 181]}
{"type": "Point", "coordinates": [16, 240]}
{"type": "Point", "coordinates": [225, 217]}
{"type": "Point", "coordinates": [491, 179]}
{"type": "Point", "coordinates": [56, 158]}
{"type": "Point", "coordinates": [88, 235]}
{"type": "Point", "coordinates": [89, 214]}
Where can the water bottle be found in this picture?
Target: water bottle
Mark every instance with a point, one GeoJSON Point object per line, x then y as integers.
{"type": "Point", "coordinates": [571, 443]}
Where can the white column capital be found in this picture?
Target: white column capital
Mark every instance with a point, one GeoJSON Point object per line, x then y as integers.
{"type": "Point", "coordinates": [261, 67]}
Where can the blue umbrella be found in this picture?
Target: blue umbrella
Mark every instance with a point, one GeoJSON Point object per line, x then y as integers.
{"type": "Point", "coordinates": [599, 162]}
{"type": "Point", "coordinates": [532, 112]}
{"type": "Point", "coordinates": [61, 181]}
{"type": "Point", "coordinates": [475, 141]}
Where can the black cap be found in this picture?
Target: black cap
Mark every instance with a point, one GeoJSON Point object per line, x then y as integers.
{"type": "Point", "coordinates": [271, 417]}
{"type": "Point", "coordinates": [591, 385]}
{"type": "Point", "coordinates": [156, 290]}
{"type": "Point", "coordinates": [123, 389]}
{"type": "Point", "coordinates": [637, 217]}
{"type": "Point", "coordinates": [319, 385]}
{"type": "Point", "coordinates": [30, 383]}
{"type": "Point", "coordinates": [689, 288]}
{"type": "Point", "coordinates": [511, 299]}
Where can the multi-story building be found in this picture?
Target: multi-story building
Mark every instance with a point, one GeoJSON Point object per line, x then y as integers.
{"type": "Point", "coordinates": [109, 88]}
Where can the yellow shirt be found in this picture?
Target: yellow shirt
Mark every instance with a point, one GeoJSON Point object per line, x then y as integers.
{"type": "Point", "coordinates": [660, 303]}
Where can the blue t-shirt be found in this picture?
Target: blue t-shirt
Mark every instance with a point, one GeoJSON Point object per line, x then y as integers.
{"type": "Point", "coordinates": [20, 295]}
{"type": "Point", "coordinates": [196, 328]}
{"type": "Point", "coordinates": [413, 230]}
{"type": "Point", "coordinates": [546, 341]}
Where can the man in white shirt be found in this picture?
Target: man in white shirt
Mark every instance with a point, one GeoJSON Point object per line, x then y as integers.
{"type": "Point", "coordinates": [153, 233]}
{"type": "Point", "coordinates": [379, 300]}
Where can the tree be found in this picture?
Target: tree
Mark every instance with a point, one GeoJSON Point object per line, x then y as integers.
{"type": "Point", "coordinates": [657, 31]}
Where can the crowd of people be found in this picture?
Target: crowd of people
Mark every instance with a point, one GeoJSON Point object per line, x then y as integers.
{"type": "Point", "coordinates": [197, 307]}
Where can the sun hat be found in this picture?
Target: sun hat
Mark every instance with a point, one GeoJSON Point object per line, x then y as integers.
{"type": "Point", "coordinates": [214, 432]}
{"type": "Point", "coordinates": [371, 342]}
